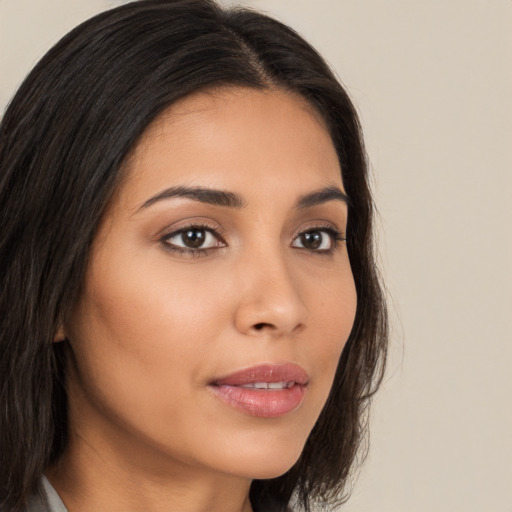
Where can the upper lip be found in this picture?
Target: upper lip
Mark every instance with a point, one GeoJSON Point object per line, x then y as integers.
{"type": "Point", "coordinates": [287, 372]}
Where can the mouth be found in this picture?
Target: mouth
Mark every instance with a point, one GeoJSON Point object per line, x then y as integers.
{"type": "Point", "coordinates": [269, 385]}
{"type": "Point", "coordinates": [265, 391]}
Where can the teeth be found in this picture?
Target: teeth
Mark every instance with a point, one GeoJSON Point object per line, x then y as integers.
{"type": "Point", "coordinates": [269, 385]}
{"type": "Point", "coordinates": [276, 385]}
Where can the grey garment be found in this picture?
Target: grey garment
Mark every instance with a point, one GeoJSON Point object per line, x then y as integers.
{"type": "Point", "coordinates": [47, 501]}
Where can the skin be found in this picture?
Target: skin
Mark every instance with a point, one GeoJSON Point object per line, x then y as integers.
{"type": "Point", "coordinates": [154, 326]}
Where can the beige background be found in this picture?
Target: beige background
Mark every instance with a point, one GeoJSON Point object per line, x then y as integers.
{"type": "Point", "coordinates": [433, 83]}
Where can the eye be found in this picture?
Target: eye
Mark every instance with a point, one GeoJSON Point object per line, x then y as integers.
{"type": "Point", "coordinates": [193, 238]}
{"type": "Point", "coordinates": [318, 240]}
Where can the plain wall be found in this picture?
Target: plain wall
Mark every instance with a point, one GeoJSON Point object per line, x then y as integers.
{"type": "Point", "coordinates": [432, 80]}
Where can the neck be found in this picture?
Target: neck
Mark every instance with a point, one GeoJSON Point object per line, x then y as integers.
{"type": "Point", "coordinates": [89, 477]}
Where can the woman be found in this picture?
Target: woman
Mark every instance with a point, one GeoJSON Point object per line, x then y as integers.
{"type": "Point", "coordinates": [191, 318]}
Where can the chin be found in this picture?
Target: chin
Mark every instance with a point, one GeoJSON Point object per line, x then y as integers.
{"type": "Point", "coordinates": [261, 462]}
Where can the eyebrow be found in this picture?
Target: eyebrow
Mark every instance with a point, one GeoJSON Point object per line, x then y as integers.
{"type": "Point", "coordinates": [324, 195]}
{"type": "Point", "coordinates": [232, 200]}
{"type": "Point", "coordinates": [203, 195]}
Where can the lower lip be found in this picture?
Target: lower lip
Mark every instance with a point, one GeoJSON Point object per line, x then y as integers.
{"type": "Point", "coordinates": [264, 403]}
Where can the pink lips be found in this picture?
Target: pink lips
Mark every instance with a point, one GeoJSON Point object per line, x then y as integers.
{"type": "Point", "coordinates": [267, 391]}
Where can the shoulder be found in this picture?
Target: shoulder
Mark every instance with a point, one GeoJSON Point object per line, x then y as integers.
{"type": "Point", "coordinates": [45, 499]}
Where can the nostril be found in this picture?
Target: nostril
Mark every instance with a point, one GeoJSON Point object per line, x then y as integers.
{"type": "Point", "coordinates": [261, 326]}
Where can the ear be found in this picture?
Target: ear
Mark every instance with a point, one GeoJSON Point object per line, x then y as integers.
{"type": "Point", "coordinates": [60, 335]}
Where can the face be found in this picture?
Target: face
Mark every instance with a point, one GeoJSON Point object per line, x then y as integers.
{"type": "Point", "coordinates": [219, 293]}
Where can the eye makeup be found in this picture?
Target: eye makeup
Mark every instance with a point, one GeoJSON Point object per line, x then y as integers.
{"type": "Point", "coordinates": [200, 238]}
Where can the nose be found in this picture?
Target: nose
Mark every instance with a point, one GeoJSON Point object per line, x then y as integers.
{"type": "Point", "coordinates": [269, 302]}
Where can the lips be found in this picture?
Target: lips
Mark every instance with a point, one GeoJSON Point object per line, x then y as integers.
{"type": "Point", "coordinates": [266, 391]}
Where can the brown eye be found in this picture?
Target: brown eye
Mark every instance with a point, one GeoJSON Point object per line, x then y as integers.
{"type": "Point", "coordinates": [193, 239]}
{"type": "Point", "coordinates": [312, 240]}
{"type": "Point", "coordinates": [318, 240]}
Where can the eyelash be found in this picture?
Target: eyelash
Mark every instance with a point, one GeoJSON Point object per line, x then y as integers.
{"type": "Point", "coordinates": [337, 238]}
{"type": "Point", "coordinates": [187, 251]}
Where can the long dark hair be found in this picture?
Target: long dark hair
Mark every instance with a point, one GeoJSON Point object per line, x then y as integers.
{"type": "Point", "coordinates": [63, 140]}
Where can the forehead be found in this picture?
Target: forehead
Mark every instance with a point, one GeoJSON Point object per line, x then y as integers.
{"type": "Point", "coordinates": [234, 138]}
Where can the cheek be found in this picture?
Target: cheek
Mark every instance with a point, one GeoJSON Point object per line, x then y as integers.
{"type": "Point", "coordinates": [138, 340]}
{"type": "Point", "coordinates": [150, 305]}
{"type": "Point", "coordinates": [334, 315]}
